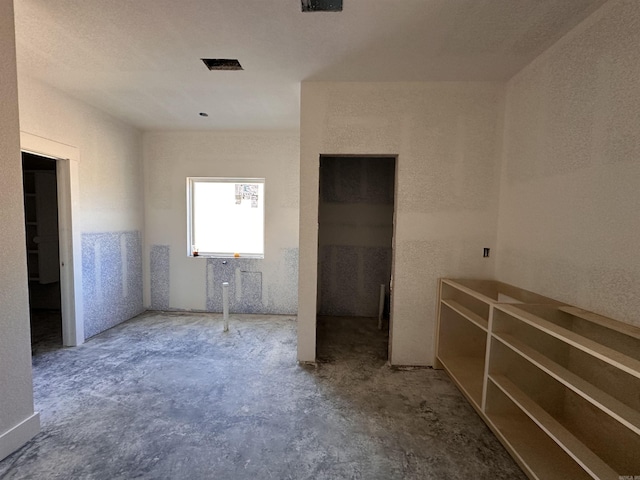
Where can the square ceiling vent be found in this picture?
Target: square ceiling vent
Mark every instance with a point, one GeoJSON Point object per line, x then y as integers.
{"type": "Point", "coordinates": [321, 5]}
{"type": "Point", "coordinates": [222, 64]}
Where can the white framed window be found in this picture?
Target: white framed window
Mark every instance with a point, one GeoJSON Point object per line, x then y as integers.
{"type": "Point", "coordinates": [225, 217]}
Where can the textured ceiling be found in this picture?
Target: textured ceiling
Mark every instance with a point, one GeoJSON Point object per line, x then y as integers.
{"type": "Point", "coordinates": [140, 60]}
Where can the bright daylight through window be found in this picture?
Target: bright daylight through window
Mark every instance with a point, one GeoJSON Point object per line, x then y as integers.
{"type": "Point", "coordinates": [225, 217]}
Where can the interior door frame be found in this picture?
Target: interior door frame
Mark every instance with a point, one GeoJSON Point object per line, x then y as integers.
{"type": "Point", "coordinates": [67, 158]}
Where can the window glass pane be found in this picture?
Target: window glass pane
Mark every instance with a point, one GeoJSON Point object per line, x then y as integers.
{"type": "Point", "coordinates": [228, 217]}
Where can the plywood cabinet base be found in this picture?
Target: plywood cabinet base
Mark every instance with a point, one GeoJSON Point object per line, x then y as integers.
{"type": "Point", "coordinates": [559, 386]}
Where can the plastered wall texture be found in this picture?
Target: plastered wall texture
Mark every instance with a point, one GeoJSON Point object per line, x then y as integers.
{"type": "Point", "coordinates": [266, 285]}
{"type": "Point", "coordinates": [16, 394]}
{"type": "Point", "coordinates": [111, 279]}
{"type": "Point", "coordinates": [569, 223]}
{"type": "Point", "coordinates": [447, 137]}
{"type": "Point", "coordinates": [110, 155]}
{"type": "Point", "coordinates": [159, 276]}
{"type": "Point", "coordinates": [356, 228]}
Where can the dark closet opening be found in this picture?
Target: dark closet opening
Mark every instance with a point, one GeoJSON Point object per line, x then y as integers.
{"type": "Point", "coordinates": [42, 250]}
{"type": "Point", "coordinates": [355, 253]}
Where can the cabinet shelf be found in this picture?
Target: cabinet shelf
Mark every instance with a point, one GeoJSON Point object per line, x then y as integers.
{"type": "Point", "coordinates": [606, 354]}
{"type": "Point", "coordinates": [627, 416]}
{"type": "Point", "coordinates": [533, 449]}
{"type": "Point", "coordinates": [493, 291]}
{"type": "Point", "coordinates": [589, 461]}
{"type": "Point", "coordinates": [605, 322]}
{"type": "Point", "coordinates": [467, 374]}
{"type": "Point", "coordinates": [468, 314]}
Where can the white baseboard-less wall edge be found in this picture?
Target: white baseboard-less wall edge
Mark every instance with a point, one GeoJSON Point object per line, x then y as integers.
{"type": "Point", "coordinates": [17, 436]}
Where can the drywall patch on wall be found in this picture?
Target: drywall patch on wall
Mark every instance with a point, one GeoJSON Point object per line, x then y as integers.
{"type": "Point", "coordinates": [111, 279]}
{"type": "Point", "coordinates": [282, 294]}
{"type": "Point", "coordinates": [250, 290]}
{"type": "Point", "coordinates": [159, 276]}
{"type": "Point", "coordinates": [376, 271]}
{"type": "Point", "coordinates": [338, 280]}
{"type": "Point", "coordinates": [244, 276]}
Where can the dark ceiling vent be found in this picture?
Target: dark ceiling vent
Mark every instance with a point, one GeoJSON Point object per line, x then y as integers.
{"type": "Point", "coordinates": [222, 64]}
{"type": "Point", "coordinates": [321, 5]}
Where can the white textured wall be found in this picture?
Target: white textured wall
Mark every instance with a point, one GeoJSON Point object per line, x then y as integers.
{"type": "Point", "coordinates": [447, 138]}
{"type": "Point", "coordinates": [110, 155]}
{"type": "Point", "coordinates": [170, 157]}
{"type": "Point", "coordinates": [16, 394]}
{"type": "Point", "coordinates": [570, 203]}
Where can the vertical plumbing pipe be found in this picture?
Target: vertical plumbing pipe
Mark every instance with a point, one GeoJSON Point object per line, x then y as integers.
{"type": "Point", "coordinates": [381, 306]}
{"type": "Point", "coordinates": [225, 305]}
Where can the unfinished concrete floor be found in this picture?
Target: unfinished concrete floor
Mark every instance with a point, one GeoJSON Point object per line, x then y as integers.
{"type": "Point", "coordinates": [46, 330]}
{"type": "Point", "coordinates": [170, 396]}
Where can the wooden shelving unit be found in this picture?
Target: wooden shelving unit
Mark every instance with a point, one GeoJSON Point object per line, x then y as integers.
{"type": "Point", "coordinates": [558, 385]}
{"type": "Point", "coordinates": [465, 308]}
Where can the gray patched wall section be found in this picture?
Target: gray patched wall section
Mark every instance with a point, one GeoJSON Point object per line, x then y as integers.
{"type": "Point", "coordinates": [355, 233]}
{"type": "Point", "coordinates": [282, 295]}
{"type": "Point", "coordinates": [111, 279]}
{"type": "Point", "coordinates": [159, 277]}
{"type": "Point", "coordinates": [350, 279]}
{"type": "Point", "coordinates": [249, 289]}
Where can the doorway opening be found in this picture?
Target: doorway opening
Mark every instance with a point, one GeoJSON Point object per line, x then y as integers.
{"type": "Point", "coordinates": [42, 248]}
{"type": "Point", "coordinates": [355, 257]}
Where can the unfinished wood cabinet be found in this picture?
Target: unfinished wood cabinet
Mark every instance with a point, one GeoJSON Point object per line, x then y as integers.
{"type": "Point", "coordinates": [558, 385]}
{"type": "Point", "coordinates": [464, 312]}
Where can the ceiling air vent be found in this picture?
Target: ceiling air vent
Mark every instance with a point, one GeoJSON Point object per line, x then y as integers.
{"type": "Point", "coordinates": [321, 5]}
{"type": "Point", "coordinates": [222, 64]}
